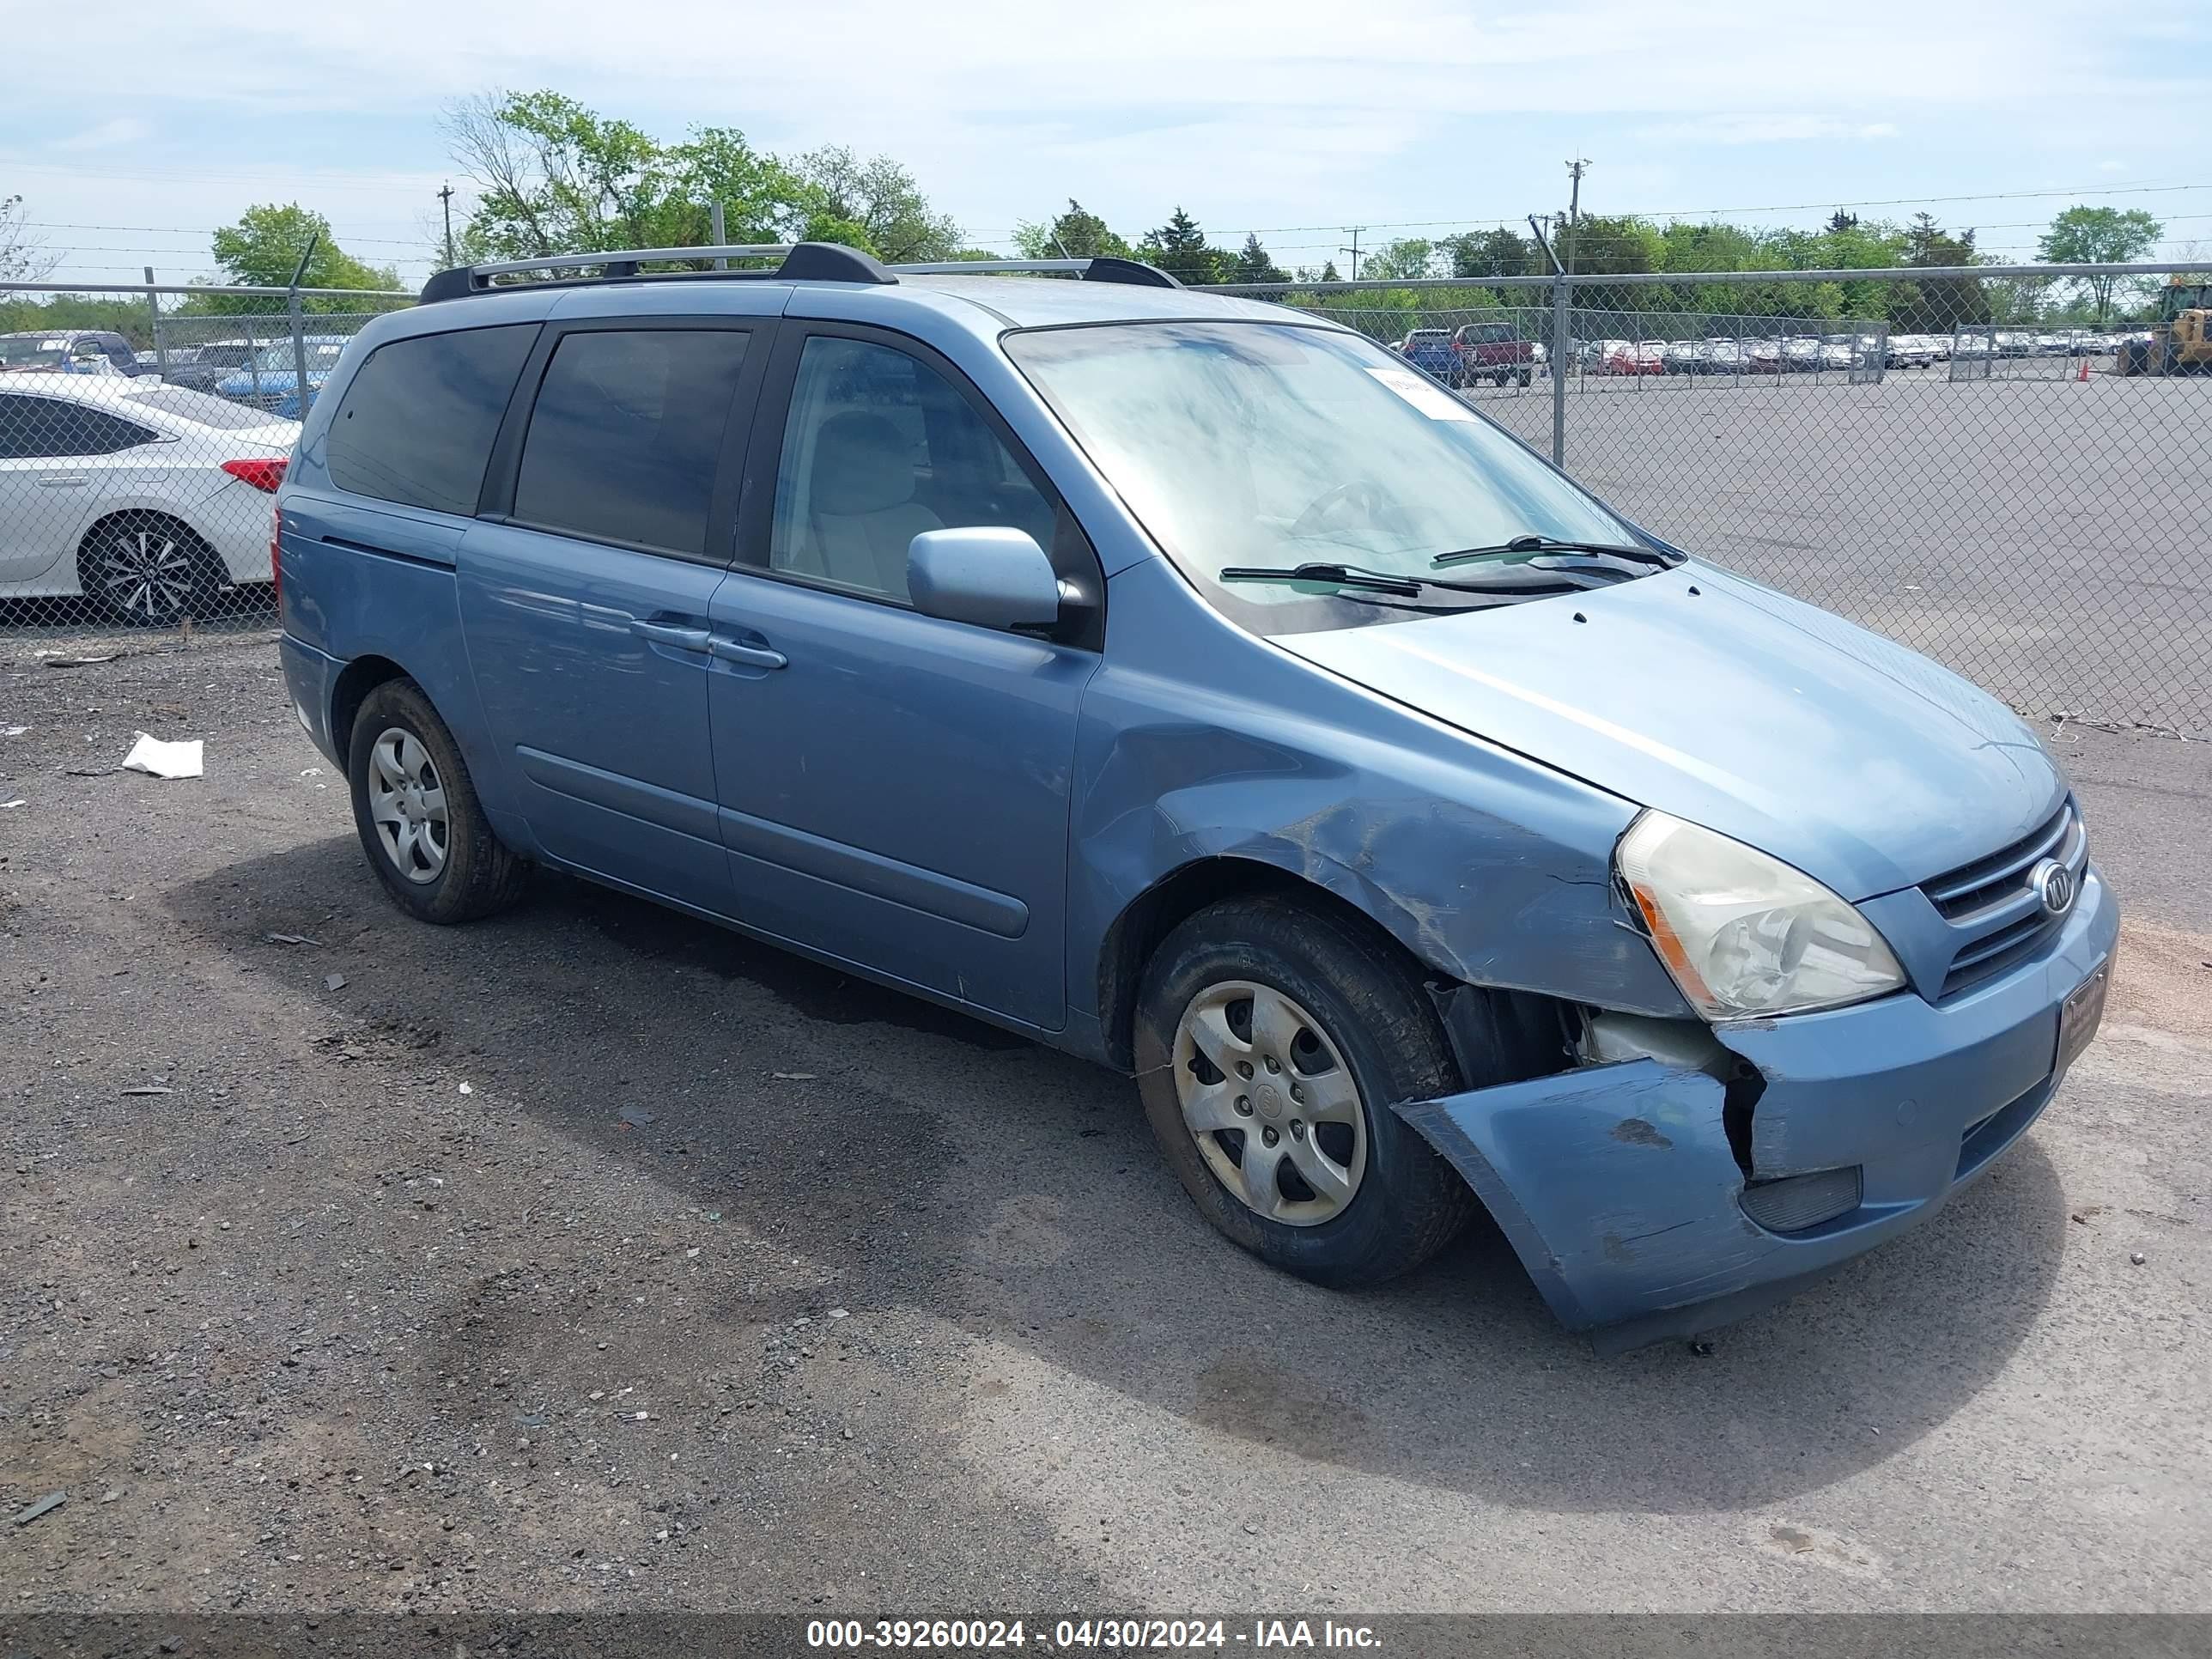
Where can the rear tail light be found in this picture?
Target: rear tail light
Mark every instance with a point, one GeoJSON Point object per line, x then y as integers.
{"type": "Point", "coordinates": [276, 558]}
{"type": "Point", "coordinates": [263, 472]}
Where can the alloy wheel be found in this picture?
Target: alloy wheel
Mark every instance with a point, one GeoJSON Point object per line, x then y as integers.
{"type": "Point", "coordinates": [146, 573]}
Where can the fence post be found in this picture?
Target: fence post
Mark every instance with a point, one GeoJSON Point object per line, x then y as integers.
{"type": "Point", "coordinates": [1562, 298]}
{"type": "Point", "coordinates": [299, 331]}
{"type": "Point", "coordinates": [154, 321]}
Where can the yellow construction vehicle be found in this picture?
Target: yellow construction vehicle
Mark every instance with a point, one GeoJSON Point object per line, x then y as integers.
{"type": "Point", "coordinates": [2181, 340]}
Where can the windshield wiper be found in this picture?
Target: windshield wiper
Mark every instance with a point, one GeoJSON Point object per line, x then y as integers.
{"type": "Point", "coordinates": [1358, 579]}
{"type": "Point", "coordinates": [1338, 575]}
{"type": "Point", "coordinates": [1529, 547]}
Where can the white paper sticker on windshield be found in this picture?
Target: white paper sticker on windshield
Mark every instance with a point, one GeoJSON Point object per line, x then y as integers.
{"type": "Point", "coordinates": [1432, 401]}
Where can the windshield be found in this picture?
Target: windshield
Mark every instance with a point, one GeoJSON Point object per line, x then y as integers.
{"type": "Point", "coordinates": [1267, 444]}
{"type": "Point", "coordinates": [32, 351]}
{"type": "Point", "coordinates": [322, 354]}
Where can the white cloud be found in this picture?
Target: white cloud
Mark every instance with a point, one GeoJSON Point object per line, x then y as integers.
{"type": "Point", "coordinates": [1409, 110]}
{"type": "Point", "coordinates": [1748, 128]}
{"type": "Point", "coordinates": [108, 135]}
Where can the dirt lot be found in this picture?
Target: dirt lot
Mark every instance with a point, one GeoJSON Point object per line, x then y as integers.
{"type": "Point", "coordinates": [593, 1258]}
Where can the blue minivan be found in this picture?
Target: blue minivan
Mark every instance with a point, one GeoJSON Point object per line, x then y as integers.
{"type": "Point", "coordinates": [1196, 686]}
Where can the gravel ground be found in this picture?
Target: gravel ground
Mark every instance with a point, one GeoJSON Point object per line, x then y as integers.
{"type": "Point", "coordinates": [593, 1258]}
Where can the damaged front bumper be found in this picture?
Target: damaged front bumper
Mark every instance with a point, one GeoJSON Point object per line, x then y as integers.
{"type": "Point", "coordinates": [1623, 1189]}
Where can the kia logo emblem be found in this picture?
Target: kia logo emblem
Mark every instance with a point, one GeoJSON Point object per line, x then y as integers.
{"type": "Point", "coordinates": [2053, 884]}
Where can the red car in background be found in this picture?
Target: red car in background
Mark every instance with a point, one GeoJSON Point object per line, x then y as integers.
{"type": "Point", "coordinates": [1492, 351]}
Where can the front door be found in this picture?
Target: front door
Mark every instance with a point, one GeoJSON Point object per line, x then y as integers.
{"type": "Point", "coordinates": [585, 592]}
{"type": "Point", "coordinates": [894, 788]}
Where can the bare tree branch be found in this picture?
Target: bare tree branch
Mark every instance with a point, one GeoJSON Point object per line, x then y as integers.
{"type": "Point", "coordinates": [23, 257]}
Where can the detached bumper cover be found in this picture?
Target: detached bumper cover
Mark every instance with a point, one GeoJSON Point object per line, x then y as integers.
{"type": "Point", "coordinates": [1618, 1187]}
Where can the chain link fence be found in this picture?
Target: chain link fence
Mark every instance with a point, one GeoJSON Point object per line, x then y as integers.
{"type": "Point", "coordinates": [2022, 500]}
{"type": "Point", "coordinates": [143, 432]}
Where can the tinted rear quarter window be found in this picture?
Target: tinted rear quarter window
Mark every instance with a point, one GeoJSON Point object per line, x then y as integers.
{"type": "Point", "coordinates": [625, 435]}
{"type": "Point", "coordinates": [418, 419]}
{"type": "Point", "coordinates": [35, 428]}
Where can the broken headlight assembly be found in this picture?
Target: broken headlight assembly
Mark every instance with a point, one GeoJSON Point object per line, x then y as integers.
{"type": "Point", "coordinates": [1744, 935]}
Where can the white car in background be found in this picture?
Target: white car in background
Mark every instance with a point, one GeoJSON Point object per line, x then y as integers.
{"type": "Point", "coordinates": [150, 501]}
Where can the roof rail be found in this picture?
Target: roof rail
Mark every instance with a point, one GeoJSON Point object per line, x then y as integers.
{"type": "Point", "coordinates": [1100, 268]}
{"type": "Point", "coordinates": [802, 262]}
{"type": "Point", "coordinates": [818, 262]}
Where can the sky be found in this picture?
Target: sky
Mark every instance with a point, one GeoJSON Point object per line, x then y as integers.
{"type": "Point", "coordinates": [1297, 118]}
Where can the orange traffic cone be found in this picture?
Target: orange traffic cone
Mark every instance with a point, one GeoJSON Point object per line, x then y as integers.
{"type": "Point", "coordinates": [2083, 377]}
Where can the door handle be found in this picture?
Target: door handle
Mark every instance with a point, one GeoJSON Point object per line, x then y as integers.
{"type": "Point", "coordinates": [75, 481]}
{"type": "Point", "coordinates": [683, 639]}
{"type": "Point", "coordinates": [753, 656]}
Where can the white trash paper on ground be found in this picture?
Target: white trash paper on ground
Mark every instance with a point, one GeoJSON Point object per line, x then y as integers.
{"type": "Point", "coordinates": [164, 760]}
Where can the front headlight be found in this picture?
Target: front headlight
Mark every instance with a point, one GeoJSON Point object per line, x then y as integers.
{"type": "Point", "coordinates": [1744, 935]}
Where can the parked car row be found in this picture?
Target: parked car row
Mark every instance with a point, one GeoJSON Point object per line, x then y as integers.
{"type": "Point", "coordinates": [1457, 357]}
{"type": "Point", "coordinates": [263, 376]}
{"type": "Point", "coordinates": [69, 351]}
{"type": "Point", "coordinates": [1472, 353]}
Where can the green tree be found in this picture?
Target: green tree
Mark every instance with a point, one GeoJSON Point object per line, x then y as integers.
{"type": "Point", "coordinates": [2099, 235]}
{"type": "Point", "coordinates": [1255, 265]}
{"type": "Point", "coordinates": [1077, 234]}
{"type": "Point", "coordinates": [1936, 304]}
{"type": "Point", "coordinates": [1402, 260]}
{"type": "Point", "coordinates": [264, 249]}
{"type": "Point", "coordinates": [873, 204]}
{"type": "Point", "coordinates": [41, 313]}
{"type": "Point", "coordinates": [1498, 253]}
{"type": "Point", "coordinates": [1179, 247]}
{"type": "Point", "coordinates": [553, 176]}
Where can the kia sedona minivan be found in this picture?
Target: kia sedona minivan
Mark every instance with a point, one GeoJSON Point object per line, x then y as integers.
{"type": "Point", "coordinates": [1194, 685]}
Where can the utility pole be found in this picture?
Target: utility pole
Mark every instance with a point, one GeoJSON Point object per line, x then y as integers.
{"type": "Point", "coordinates": [445, 201]}
{"type": "Point", "coordinates": [1354, 250]}
{"type": "Point", "coordinates": [717, 233]}
{"type": "Point", "coordinates": [1574, 207]}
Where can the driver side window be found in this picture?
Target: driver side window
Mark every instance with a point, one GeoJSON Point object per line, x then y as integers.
{"type": "Point", "coordinates": [877, 448]}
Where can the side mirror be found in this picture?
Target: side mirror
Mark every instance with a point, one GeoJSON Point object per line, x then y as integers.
{"type": "Point", "coordinates": [989, 574]}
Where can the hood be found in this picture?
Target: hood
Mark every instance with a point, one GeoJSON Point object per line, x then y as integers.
{"type": "Point", "coordinates": [1862, 764]}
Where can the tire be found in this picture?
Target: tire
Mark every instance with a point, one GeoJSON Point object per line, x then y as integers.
{"type": "Point", "coordinates": [448, 870]}
{"type": "Point", "coordinates": [1353, 1003]}
{"type": "Point", "coordinates": [149, 569]}
{"type": "Point", "coordinates": [1526, 375]}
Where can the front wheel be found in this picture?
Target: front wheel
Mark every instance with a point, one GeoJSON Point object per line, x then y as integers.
{"type": "Point", "coordinates": [416, 808]}
{"type": "Point", "coordinates": [1271, 1040]}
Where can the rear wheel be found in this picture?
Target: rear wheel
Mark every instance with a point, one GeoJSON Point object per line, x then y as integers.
{"type": "Point", "coordinates": [1526, 375]}
{"type": "Point", "coordinates": [149, 569]}
{"type": "Point", "coordinates": [1270, 1041]}
{"type": "Point", "coordinates": [415, 809]}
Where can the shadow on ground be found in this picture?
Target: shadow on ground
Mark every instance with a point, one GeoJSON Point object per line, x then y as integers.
{"type": "Point", "coordinates": [926, 1160]}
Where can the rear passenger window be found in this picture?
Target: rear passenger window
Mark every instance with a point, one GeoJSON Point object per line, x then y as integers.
{"type": "Point", "coordinates": [626, 432]}
{"type": "Point", "coordinates": [46, 428]}
{"type": "Point", "coordinates": [418, 421]}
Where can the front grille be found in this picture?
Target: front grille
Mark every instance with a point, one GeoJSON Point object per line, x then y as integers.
{"type": "Point", "coordinates": [1994, 911]}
